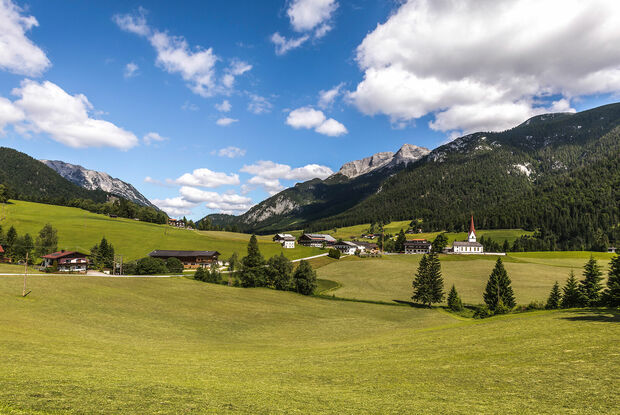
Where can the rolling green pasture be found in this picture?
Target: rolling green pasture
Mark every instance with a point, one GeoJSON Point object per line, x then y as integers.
{"type": "Point", "coordinates": [499, 235]}
{"type": "Point", "coordinates": [80, 230]}
{"type": "Point", "coordinates": [173, 345]}
{"type": "Point", "coordinates": [389, 278]}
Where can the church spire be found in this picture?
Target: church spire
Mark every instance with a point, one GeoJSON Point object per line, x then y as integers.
{"type": "Point", "coordinates": [471, 237]}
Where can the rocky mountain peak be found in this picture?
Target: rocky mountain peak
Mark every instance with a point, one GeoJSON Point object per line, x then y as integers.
{"type": "Point", "coordinates": [407, 153]}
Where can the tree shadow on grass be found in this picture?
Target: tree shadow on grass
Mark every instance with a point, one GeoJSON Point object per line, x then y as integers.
{"type": "Point", "coordinates": [603, 315]}
{"type": "Point", "coordinates": [412, 304]}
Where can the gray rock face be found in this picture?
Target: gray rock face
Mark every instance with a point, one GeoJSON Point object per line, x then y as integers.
{"type": "Point", "coordinates": [406, 154]}
{"type": "Point", "coordinates": [95, 180]}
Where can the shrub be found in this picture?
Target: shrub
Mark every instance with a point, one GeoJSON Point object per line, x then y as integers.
{"type": "Point", "coordinates": [150, 266]}
{"type": "Point", "coordinates": [482, 311]}
{"type": "Point", "coordinates": [174, 265]}
{"type": "Point", "coordinates": [334, 253]}
{"type": "Point", "coordinates": [199, 275]}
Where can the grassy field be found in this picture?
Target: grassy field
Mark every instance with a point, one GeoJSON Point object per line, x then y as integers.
{"type": "Point", "coordinates": [389, 278]}
{"type": "Point", "coordinates": [80, 230]}
{"type": "Point", "coordinates": [499, 235]}
{"type": "Point", "coordinates": [169, 346]}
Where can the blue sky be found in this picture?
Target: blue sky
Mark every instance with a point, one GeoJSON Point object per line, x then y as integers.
{"type": "Point", "coordinates": [133, 88]}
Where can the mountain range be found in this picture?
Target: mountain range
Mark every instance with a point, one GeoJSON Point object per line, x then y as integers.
{"type": "Point", "coordinates": [95, 180]}
{"type": "Point", "coordinates": [558, 173]}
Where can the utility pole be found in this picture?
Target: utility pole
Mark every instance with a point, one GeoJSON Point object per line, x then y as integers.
{"type": "Point", "coordinates": [24, 293]}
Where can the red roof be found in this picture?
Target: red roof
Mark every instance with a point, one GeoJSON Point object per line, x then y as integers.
{"type": "Point", "coordinates": [471, 226]}
{"type": "Point", "coordinates": [1, 249]}
{"type": "Point", "coordinates": [61, 254]}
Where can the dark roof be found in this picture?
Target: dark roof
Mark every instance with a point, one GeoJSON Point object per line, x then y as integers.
{"type": "Point", "coordinates": [478, 244]}
{"type": "Point", "coordinates": [62, 254]}
{"type": "Point", "coordinates": [417, 242]}
{"type": "Point", "coordinates": [175, 254]}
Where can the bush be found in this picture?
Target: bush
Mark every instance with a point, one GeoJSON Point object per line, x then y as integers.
{"type": "Point", "coordinates": [150, 266]}
{"type": "Point", "coordinates": [200, 274]}
{"type": "Point", "coordinates": [174, 265]}
{"type": "Point", "coordinates": [213, 274]}
{"type": "Point", "coordinates": [334, 253]}
{"type": "Point", "coordinates": [129, 268]}
{"type": "Point", "coordinates": [482, 311]}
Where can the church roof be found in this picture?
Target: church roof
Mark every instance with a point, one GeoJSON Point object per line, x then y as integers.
{"type": "Point", "coordinates": [476, 244]}
{"type": "Point", "coordinates": [472, 229]}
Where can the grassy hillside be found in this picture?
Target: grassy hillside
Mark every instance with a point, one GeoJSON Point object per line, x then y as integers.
{"type": "Point", "coordinates": [389, 278]}
{"type": "Point", "coordinates": [80, 230]}
{"type": "Point", "coordinates": [498, 235]}
{"type": "Point", "coordinates": [169, 346]}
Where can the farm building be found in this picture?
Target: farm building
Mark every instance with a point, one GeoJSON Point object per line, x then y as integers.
{"type": "Point", "coordinates": [177, 223]}
{"type": "Point", "coordinates": [66, 261]}
{"type": "Point", "coordinates": [348, 248]}
{"type": "Point", "coordinates": [417, 246]}
{"type": "Point", "coordinates": [316, 240]}
{"type": "Point", "coordinates": [285, 239]}
{"type": "Point", "coordinates": [190, 259]}
{"type": "Point", "coordinates": [369, 247]}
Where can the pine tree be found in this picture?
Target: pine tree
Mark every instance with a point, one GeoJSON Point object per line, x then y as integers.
{"type": "Point", "coordinates": [428, 283]}
{"type": "Point", "coordinates": [440, 242]}
{"type": "Point", "coordinates": [304, 278]}
{"type": "Point", "coordinates": [571, 296]}
{"type": "Point", "coordinates": [11, 237]}
{"type": "Point", "coordinates": [400, 241]}
{"type": "Point", "coordinates": [252, 271]}
{"type": "Point", "coordinates": [199, 274]}
{"type": "Point", "coordinates": [454, 301]}
{"type": "Point", "coordinates": [612, 293]}
{"type": "Point", "coordinates": [590, 286]}
{"type": "Point", "coordinates": [555, 297]}
{"type": "Point", "coordinates": [498, 294]}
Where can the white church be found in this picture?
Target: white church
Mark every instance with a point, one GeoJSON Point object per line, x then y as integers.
{"type": "Point", "coordinates": [471, 246]}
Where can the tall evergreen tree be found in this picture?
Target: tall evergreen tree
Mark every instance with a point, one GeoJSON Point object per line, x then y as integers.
{"type": "Point", "coordinates": [454, 301]}
{"type": "Point", "coordinates": [252, 270]}
{"type": "Point", "coordinates": [11, 237]}
{"type": "Point", "coordinates": [399, 246]}
{"type": "Point", "coordinates": [439, 243]}
{"type": "Point", "coordinates": [498, 293]}
{"type": "Point", "coordinates": [612, 293]}
{"type": "Point", "coordinates": [102, 254]}
{"type": "Point", "coordinates": [428, 283]}
{"type": "Point", "coordinates": [555, 297]}
{"type": "Point", "coordinates": [47, 240]}
{"type": "Point", "coordinates": [590, 286]}
{"type": "Point", "coordinates": [571, 296]}
{"type": "Point", "coordinates": [304, 278]}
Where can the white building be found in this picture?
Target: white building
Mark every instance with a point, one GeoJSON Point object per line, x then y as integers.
{"type": "Point", "coordinates": [348, 248]}
{"type": "Point", "coordinates": [471, 246]}
{"type": "Point", "coordinates": [286, 240]}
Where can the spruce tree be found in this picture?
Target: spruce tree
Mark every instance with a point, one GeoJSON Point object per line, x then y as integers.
{"type": "Point", "coordinates": [252, 270]}
{"type": "Point", "coordinates": [555, 297]}
{"type": "Point", "coordinates": [11, 237]}
{"type": "Point", "coordinates": [428, 283]}
{"type": "Point", "coordinates": [612, 293]}
{"type": "Point", "coordinates": [454, 301]}
{"type": "Point", "coordinates": [400, 241]}
{"type": "Point", "coordinates": [571, 296]}
{"type": "Point", "coordinates": [590, 286]}
{"type": "Point", "coordinates": [199, 274]}
{"type": "Point", "coordinates": [498, 294]}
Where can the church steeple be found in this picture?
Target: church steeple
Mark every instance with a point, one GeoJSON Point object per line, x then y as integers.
{"type": "Point", "coordinates": [471, 237]}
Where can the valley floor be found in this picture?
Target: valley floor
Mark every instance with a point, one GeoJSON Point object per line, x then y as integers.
{"type": "Point", "coordinates": [174, 345]}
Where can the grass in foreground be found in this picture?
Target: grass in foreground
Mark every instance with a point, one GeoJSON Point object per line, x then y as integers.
{"type": "Point", "coordinates": [168, 346]}
{"type": "Point", "coordinates": [80, 230]}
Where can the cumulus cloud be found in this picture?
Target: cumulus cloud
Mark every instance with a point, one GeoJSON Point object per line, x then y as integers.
{"type": "Point", "coordinates": [152, 137]}
{"type": "Point", "coordinates": [196, 65]}
{"type": "Point", "coordinates": [326, 98]}
{"type": "Point", "coordinates": [259, 105]}
{"type": "Point", "coordinates": [231, 152]}
{"type": "Point", "coordinates": [225, 122]}
{"type": "Point", "coordinates": [307, 117]}
{"type": "Point", "coordinates": [270, 170]}
{"type": "Point", "coordinates": [176, 206]}
{"type": "Point", "coordinates": [271, 186]}
{"type": "Point", "coordinates": [188, 106]}
{"type": "Point", "coordinates": [66, 118]}
{"type": "Point", "coordinates": [310, 17]}
{"type": "Point", "coordinates": [206, 178]}
{"type": "Point", "coordinates": [18, 54]}
{"type": "Point", "coordinates": [487, 68]}
{"type": "Point", "coordinates": [131, 70]}
{"type": "Point", "coordinates": [224, 106]}
{"type": "Point", "coordinates": [227, 202]}
{"type": "Point", "coordinates": [9, 114]}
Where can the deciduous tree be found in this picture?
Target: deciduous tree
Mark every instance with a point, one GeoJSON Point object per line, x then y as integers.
{"type": "Point", "coordinates": [304, 278]}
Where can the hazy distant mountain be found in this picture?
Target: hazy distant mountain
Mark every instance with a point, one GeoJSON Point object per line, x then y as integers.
{"type": "Point", "coordinates": [95, 180]}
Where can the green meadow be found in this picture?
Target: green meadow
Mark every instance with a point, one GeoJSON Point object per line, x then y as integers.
{"type": "Point", "coordinates": [80, 230]}
{"type": "Point", "coordinates": [389, 278]}
{"type": "Point", "coordinates": [173, 345]}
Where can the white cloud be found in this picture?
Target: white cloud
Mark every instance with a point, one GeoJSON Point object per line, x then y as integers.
{"type": "Point", "coordinates": [270, 170]}
{"type": "Point", "coordinates": [131, 70]}
{"type": "Point", "coordinates": [283, 44]}
{"type": "Point", "coordinates": [305, 15]}
{"type": "Point", "coordinates": [307, 118]}
{"type": "Point", "coordinates": [196, 65]}
{"type": "Point", "coordinates": [18, 54]}
{"type": "Point", "coordinates": [225, 122]}
{"type": "Point", "coordinates": [259, 105]}
{"type": "Point", "coordinates": [224, 106]}
{"type": "Point", "coordinates": [206, 178]}
{"type": "Point", "coordinates": [271, 186]}
{"type": "Point", "coordinates": [176, 206]}
{"type": "Point", "coordinates": [48, 108]}
{"type": "Point", "coordinates": [188, 106]}
{"type": "Point", "coordinates": [331, 128]}
{"type": "Point", "coordinates": [326, 98]}
{"type": "Point", "coordinates": [487, 68]}
{"type": "Point", "coordinates": [216, 201]}
{"type": "Point", "coordinates": [152, 137]}
{"type": "Point", "coordinates": [231, 152]}
{"type": "Point", "coordinates": [9, 114]}
{"type": "Point", "coordinates": [149, 179]}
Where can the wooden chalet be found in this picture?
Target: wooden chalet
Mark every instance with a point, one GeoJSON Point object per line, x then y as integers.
{"type": "Point", "coordinates": [417, 246]}
{"type": "Point", "coordinates": [190, 259]}
{"type": "Point", "coordinates": [316, 240]}
{"type": "Point", "coordinates": [66, 261]}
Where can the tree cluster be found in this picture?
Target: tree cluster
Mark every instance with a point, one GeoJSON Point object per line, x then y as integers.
{"type": "Point", "coordinates": [102, 254]}
{"type": "Point", "coordinates": [17, 247]}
